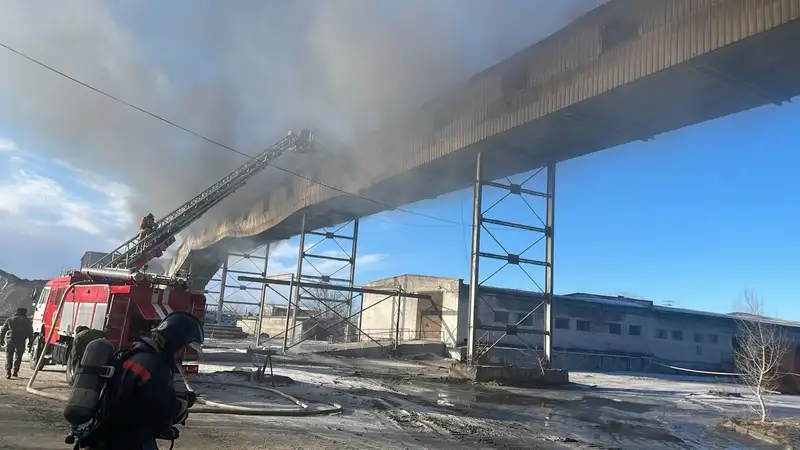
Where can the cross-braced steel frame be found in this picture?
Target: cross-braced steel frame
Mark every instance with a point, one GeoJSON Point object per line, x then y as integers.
{"type": "Point", "coordinates": [252, 263]}
{"type": "Point", "coordinates": [291, 324]}
{"type": "Point", "coordinates": [478, 346]}
{"type": "Point", "coordinates": [326, 283]}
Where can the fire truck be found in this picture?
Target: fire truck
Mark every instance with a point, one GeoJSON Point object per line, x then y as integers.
{"type": "Point", "coordinates": [115, 293]}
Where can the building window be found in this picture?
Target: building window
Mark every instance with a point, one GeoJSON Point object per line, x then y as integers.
{"type": "Point", "coordinates": [661, 334]}
{"type": "Point", "coordinates": [501, 317]}
{"type": "Point", "coordinates": [712, 338]}
{"type": "Point", "coordinates": [699, 338]}
{"type": "Point", "coordinates": [614, 328]}
{"type": "Point", "coordinates": [583, 325]}
{"type": "Point", "coordinates": [562, 323]}
{"type": "Point", "coordinates": [699, 350]}
{"type": "Point", "coordinates": [677, 335]}
{"type": "Point", "coordinates": [525, 321]}
{"type": "Point", "coordinates": [635, 330]}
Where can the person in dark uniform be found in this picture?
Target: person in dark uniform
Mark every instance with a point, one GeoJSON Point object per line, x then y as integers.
{"type": "Point", "coordinates": [143, 404]}
{"type": "Point", "coordinates": [84, 335]}
{"type": "Point", "coordinates": [17, 329]}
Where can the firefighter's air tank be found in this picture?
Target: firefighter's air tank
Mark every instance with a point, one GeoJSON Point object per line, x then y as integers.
{"type": "Point", "coordinates": [84, 399]}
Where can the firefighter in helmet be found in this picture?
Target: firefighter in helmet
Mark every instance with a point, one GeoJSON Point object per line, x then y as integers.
{"type": "Point", "coordinates": [146, 226]}
{"type": "Point", "coordinates": [17, 328]}
{"type": "Point", "coordinates": [143, 405]}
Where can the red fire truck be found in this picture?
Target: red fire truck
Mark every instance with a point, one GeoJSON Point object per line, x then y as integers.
{"type": "Point", "coordinates": [115, 294]}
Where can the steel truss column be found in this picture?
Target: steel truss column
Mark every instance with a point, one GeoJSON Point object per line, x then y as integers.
{"type": "Point", "coordinates": [223, 282]}
{"type": "Point", "coordinates": [478, 346]}
{"type": "Point", "coordinates": [550, 222]}
{"type": "Point", "coordinates": [233, 265]}
{"type": "Point", "coordinates": [298, 271]}
{"type": "Point", "coordinates": [263, 297]}
{"type": "Point", "coordinates": [474, 273]}
{"type": "Point", "coordinates": [326, 276]}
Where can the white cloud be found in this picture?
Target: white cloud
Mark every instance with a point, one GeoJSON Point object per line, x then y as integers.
{"type": "Point", "coordinates": [283, 250]}
{"type": "Point", "coordinates": [33, 204]}
{"type": "Point", "coordinates": [283, 260]}
{"type": "Point", "coordinates": [7, 145]}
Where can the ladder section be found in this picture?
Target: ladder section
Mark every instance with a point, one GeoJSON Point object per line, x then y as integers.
{"type": "Point", "coordinates": [117, 321]}
{"type": "Point", "coordinates": [135, 253]}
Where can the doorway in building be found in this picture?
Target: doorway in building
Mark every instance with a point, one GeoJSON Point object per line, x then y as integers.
{"type": "Point", "coordinates": [429, 317]}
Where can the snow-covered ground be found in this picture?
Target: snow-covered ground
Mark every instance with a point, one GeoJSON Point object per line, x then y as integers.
{"type": "Point", "coordinates": [401, 401]}
{"type": "Point", "coordinates": [399, 404]}
{"type": "Point", "coordinates": [722, 394]}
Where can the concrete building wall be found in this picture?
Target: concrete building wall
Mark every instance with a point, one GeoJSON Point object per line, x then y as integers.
{"type": "Point", "coordinates": [620, 327]}
{"type": "Point", "coordinates": [591, 332]}
{"type": "Point", "coordinates": [434, 319]}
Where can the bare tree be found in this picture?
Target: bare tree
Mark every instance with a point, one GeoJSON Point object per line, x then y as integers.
{"type": "Point", "coordinates": [759, 351]}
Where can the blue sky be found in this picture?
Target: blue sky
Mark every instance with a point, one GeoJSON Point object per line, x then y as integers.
{"type": "Point", "coordinates": [694, 217]}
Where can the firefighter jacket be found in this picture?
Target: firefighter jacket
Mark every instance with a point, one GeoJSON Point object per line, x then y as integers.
{"type": "Point", "coordinates": [143, 402]}
{"type": "Point", "coordinates": [83, 338]}
{"type": "Point", "coordinates": [16, 330]}
{"type": "Point", "coordinates": [147, 222]}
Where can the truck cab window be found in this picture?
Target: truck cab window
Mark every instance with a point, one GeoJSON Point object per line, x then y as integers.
{"type": "Point", "coordinates": [43, 296]}
{"type": "Point", "coordinates": [56, 298]}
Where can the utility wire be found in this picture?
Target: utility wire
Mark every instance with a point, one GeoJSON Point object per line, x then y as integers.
{"type": "Point", "coordinates": [212, 141]}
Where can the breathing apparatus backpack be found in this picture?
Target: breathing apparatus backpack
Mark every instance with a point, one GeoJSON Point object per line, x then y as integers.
{"type": "Point", "coordinates": [93, 392]}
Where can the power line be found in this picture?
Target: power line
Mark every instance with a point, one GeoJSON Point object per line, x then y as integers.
{"type": "Point", "coordinates": [212, 141]}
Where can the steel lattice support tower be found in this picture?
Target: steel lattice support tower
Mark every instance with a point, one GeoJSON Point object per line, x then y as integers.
{"type": "Point", "coordinates": [252, 263]}
{"type": "Point", "coordinates": [341, 274]}
{"type": "Point", "coordinates": [477, 345]}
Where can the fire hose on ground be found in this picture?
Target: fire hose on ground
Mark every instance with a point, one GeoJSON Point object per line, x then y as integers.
{"type": "Point", "coordinates": [209, 407]}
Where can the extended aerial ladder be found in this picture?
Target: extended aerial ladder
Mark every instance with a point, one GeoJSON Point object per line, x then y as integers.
{"type": "Point", "coordinates": [136, 253]}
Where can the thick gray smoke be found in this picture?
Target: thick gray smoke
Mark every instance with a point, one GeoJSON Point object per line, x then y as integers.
{"type": "Point", "coordinates": [241, 73]}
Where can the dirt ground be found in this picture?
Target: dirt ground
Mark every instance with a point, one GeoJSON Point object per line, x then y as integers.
{"type": "Point", "coordinates": [28, 422]}
{"type": "Point", "coordinates": [394, 404]}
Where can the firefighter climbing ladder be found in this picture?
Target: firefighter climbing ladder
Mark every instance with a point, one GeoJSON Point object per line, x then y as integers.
{"type": "Point", "coordinates": [135, 254]}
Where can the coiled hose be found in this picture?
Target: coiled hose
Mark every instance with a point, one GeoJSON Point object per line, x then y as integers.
{"type": "Point", "coordinates": [208, 406]}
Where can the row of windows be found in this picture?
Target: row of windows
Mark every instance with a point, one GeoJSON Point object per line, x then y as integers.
{"type": "Point", "coordinates": [563, 323]}
{"type": "Point", "coordinates": [634, 330]}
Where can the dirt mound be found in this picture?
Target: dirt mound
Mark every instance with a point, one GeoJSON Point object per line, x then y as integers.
{"type": "Point", "coordinates": [16, 292]}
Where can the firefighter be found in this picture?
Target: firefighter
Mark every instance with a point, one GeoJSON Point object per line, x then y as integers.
{"type": "Point", "coordinates": [143, 404]}
{"type": "Point", "coordinates": [146, 226]}
{"type": "Point", "coordinates": [83, 335]}
{"type": "Point", "coordinates": [18, 328]}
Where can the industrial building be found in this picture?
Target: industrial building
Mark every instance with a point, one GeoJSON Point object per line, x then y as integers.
{"type": "Point", "coordinates": [590, 332]}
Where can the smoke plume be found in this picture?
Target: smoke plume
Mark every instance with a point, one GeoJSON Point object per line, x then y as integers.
{"type": "Point", "coordinates": [240, 74]}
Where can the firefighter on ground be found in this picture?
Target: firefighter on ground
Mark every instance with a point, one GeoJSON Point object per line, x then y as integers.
{"type": "Point", "coordinates": [83, 335]}
{"type": "Point", "coordinates": [142, 404]}
{"type": "Point", "coordinates": [16, 330]}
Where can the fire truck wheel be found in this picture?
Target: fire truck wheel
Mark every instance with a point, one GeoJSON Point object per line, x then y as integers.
{"type": "Point", "coordinates": [72, 365]}
{"type": "Point", "coordinates": [36, 351]}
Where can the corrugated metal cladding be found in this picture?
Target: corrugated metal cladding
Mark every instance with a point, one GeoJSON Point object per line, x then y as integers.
{"type": "Point", "coordinates": [612, 45]}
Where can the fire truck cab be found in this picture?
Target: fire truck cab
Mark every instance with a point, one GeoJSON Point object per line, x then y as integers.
{"type": "Point", "coordinates": [123, 308]}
